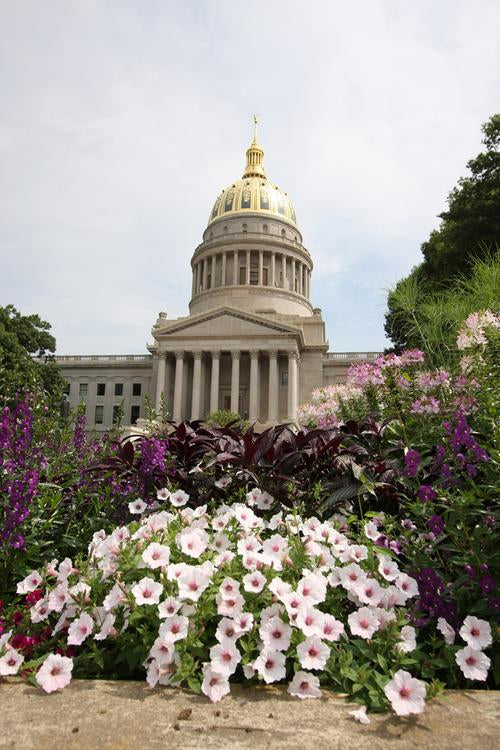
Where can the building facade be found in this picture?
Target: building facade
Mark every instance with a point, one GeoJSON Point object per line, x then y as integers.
{"type": "Point", "coordinates": [252, 343]}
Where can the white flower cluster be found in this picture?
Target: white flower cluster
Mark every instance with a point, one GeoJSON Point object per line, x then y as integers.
{"type": "Point", "coordinates": [183, 563]}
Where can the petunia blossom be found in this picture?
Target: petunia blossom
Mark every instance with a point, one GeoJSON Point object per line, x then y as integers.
{"type": "Point", "coordinates": [304, 685]}
{"type": "Point", "coordinates": [215, 685]}
{"type": "Point", "coordinates": [276, 634]}
{"type": "Point", "coordinates": [270, 664]}
{"type": "Point", "coordinates": [225, 657]}
{"type": "Point", "coordinates": [476, 633]}
{"type": "Point", "coordinates": [30, 583]}
{"type": "Point", "coordinates": [360, 715]}
{"type": "Point", "coordinates": [147, 591]}
{"type": "Point", "coordinates": [363, 622]}
{"type": "Point", "coordinates": [313, 653]}
{"type": "Point", "coordinates": [156, 555]}
{"type": "Point", "coordinates": [10, 662]}
{"type": "Point", "coordinates": [80, 629]}
{"type": "Point", "coordinates": [474, 664]}
{"type": "Point", "coordinates": [406, 694]}
{"type": "Point", "coordinates": [55, 672]}
{"type": "Point", "coordinates": [137, 506]}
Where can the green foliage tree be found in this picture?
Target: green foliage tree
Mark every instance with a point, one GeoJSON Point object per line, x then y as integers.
{"type": "Point", "coordinates": [469, 234]}
{"type": "Point", "coordinates": [26, 355]}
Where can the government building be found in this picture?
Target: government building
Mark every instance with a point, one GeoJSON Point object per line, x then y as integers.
{"type": "Point", "coordinates": [253, 342]}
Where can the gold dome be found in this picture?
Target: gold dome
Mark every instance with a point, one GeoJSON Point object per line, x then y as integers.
{"type": "Point", "coordinates": [254, 193]}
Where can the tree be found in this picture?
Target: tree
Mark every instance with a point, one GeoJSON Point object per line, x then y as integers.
{"type": "Point", "coordinates": [26, 360]}
{"type": "Point", "coordinates": [469, 233]}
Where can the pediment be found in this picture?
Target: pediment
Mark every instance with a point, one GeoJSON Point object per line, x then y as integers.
{"type": "Point", "coordinates": [227, 322]}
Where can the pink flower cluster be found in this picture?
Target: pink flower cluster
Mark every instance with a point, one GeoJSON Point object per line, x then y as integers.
{"type": "Point", "coordinates": [473, 332]}
{"type": "Point", "coordinates": [177, 568]}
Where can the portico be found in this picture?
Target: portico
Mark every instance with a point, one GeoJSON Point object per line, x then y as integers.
{"type": "Point", "coordinates": [260, 384]}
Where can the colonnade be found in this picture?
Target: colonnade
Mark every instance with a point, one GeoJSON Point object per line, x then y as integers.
{"type": "Point", "coordinates": [172, 364]}
{"type": "Point", "coordinates": [275, 269]}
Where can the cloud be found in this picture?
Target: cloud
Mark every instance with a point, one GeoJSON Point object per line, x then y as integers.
{"type": "Point", "coordinates": [121, 121]}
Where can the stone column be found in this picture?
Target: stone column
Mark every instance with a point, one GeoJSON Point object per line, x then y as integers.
{"type": "Point", "coordinates": [205, 273]}
{"type": "Point", "coordinates": [247, 281]}
{"type": "Point", "coordinates": [235, 381]}
{"type": "Point", "coordinates": [179, 376]}
{"type": "Point", "coordinates": [273, 269]}
{"type": "Point", "coordinates": [235, 268]}
{"type": "Point", "coordinates": [292, 386]}
{"type": "Point", "coordinates": [293, 275]}
{"type": "Point", "coordinates": [214, 383]}
{"type": "Point", "coordinates": [223, 271]}
{"type": "Point", "coordinates": [301, 268]}
{"type": "Point", "coordinates": [272, 414]}
{"type": "Point", "coordinates": [195, 399]}
{"type": "Point", "coordinates": [160, 380]}
{"type": "Point", "coordinates": [283, 270]}
{"type": "Point", "coordinates": [261, 267]}
{"type": "Point", "coordinates": [253, 407]}
{"type": "Point", "coordinates": [168, 382]}
{"type": "Point", "coordinates": [193, 282]}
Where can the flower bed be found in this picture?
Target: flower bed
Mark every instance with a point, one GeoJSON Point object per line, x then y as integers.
{"type": "Point", "coordinates": [198, 599]}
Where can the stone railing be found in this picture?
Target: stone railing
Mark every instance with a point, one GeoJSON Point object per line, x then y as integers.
{"type": "Point", "coordinates": [347, 356]}
{"type": "Point", "coordinates": [104, 358]}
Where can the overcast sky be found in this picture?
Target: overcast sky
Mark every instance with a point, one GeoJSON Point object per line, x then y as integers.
{"type": "Point", "coordinates": [121, 120]}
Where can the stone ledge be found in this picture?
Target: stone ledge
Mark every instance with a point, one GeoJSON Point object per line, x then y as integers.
{"type": "Point", "coordinates": [108, 715]}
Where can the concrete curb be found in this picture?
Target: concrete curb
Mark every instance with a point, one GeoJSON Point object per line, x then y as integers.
{"type": "Point", "coordinates": [109, 715]}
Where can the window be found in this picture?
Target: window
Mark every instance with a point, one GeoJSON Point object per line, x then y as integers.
{"type": "Point", "coordinates": [136, 389]}
{"type": "Point", "coordinates": [284, 377]}
{"type": "Point", "coordinates": [66, 388]}
{"type": "Point", "coordinates": [83, 389]}
{"type": "Point", "coordinates": [118, 389]}
{"type": "Point", "coordinates": [265, 276]}
{"type": "Point", "coordinates": [134, 414]}
{"type": "Point", "coordinates": [117, 413]}
{"type": "Point", "coordinates": [101, 389]}
{"type": "Point", "coordinates": [243, 274]}
{"type": "Point", "coordinates": [99, 414]}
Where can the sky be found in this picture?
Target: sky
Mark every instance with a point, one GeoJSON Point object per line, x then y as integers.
{"type": "Point", "coordinates": [122, 120]}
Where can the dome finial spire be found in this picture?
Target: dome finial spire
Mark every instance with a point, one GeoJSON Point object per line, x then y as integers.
{"type": "Point", "coordinates": [255, 123]}
{"type": "Point", "coordinates": [255, 155]}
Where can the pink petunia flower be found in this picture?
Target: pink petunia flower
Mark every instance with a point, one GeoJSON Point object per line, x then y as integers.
{"type": "Point", "coordinates": [179, 498]}
{"type": "Point", "coordinates": [476, 633]}
{"type": "Point", "coordinates": [446, 630]}
{"type": "Point", "coordinates": [137, 507]}
{"type": "Point", "coordinates": [313, 653]}
{"type": "Point", "coordinates": [192, 582]}
{"type": "Point", "coordinates": [55, 672]}
{"type": "Point", "coordinates": [363, 622]}
{"type": "Point", "coordinates": [270, 665]}
{"type": "Point", "coordinates": [174, 628]}
{"type": "Point", "coordinates": [147, 591]}
{"type": "Point", "coordinates": [10, 662]}
{"type": "Point", "coordinates": [168, 607]}
{"type": "Point", "coordinates": [215, 685]}
{"type": "Point", "coordinates": [225, 657]}
{"type": "Point", "coordinates": [276, 634]}
{"type": "Point", "coordinates": [406, 694]}
{"type": "Point", "coordinates": [193, 541]}
{"type": "Point", "coordinates": [331, 629]}
{"type": "Point", "coordinates": [80, 629]}
{"type": "Point", "coordinates": [30, 583]}
{"type": "Point", "coordinates": [304, 685]}
{"type": "Point", "coordinates": [360, 715]}
{"type": "Point", "coordinates": [156, 555]}
{"type": "Point", "coordinates": [474, 664]}
{"type": "Point", "coordinates": [254, 582]}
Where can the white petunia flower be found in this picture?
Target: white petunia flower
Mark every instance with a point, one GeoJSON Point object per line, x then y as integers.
{"type": "Point", "coordinates": [30, 583]}
{"type": "Point", "coordinates": [363, 622]}
{"type": "Point", "coordinates": [406, 694]}
{"type": "Point", "coordinates": [174, 628]}
{"type": "Point", "coordinates": [137, 507]}
{"type": "Point", "coordinates": [80, 629]}
{"type": "Point", "coordinates": [476, 633]}
{"type": "Point", "coordinates": [446, 630]}
{"type": "Point", "coordinates": [276, 634]}
{"type": "Point", "coordinates": [147, 591]}
{"type": "Point", "coordinates": [304, 685]}
{"type": "Point", "coordinates": [10, 662]}
{"type": "Point", "coordinates": [407, 585]}
{"type": "Point", "coordinates": [270, 665]}
{"type": "Point", "coordinates": [192, 583]}
{"type": "Point", "coordinates": [360, 715]}
{"type": "Point", "coordinates": [168, 607]}
{"type": "Point", "coordinates": [331, 629]}
{"type": "Point", "coordinates": [225, 657]}
{"type": "Point", "coordinates": [474, 664]}
{"type": "Point", "coordinates": [55, 672]}
{"type": "Point", "coordinates": [313, 653]}
{"type": "Point", "coordinates": [163, 494]}
{"type": "Point", "coordinates": [254, 582]}
{"type": "Point", "coordinates": [179, 498]}
{"type": "Point", "coordinates": [215, 685]}
{"type": "Point", "coordinates": [193, 542]}
{"type": "Point", "coordinates": [387, 568]}
{"type": "Point", "coordinates": [407, 639]}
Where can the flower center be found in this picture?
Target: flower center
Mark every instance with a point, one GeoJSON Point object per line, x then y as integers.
{"type": "Point", "coordinates": [269, 664]}
{"type": "Point", "coordinates": [470, 661]}
{"type": "Point", "coordinates": [405, 692]}
{"type": "Point", "coordinates": [475, 632]}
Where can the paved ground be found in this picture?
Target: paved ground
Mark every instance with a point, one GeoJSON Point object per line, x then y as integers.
{"type": "Point", "coordinates": [125, 715]}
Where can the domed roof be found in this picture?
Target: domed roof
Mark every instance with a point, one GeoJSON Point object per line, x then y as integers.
{"type": "Point", "coordinates": [254, 193]}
